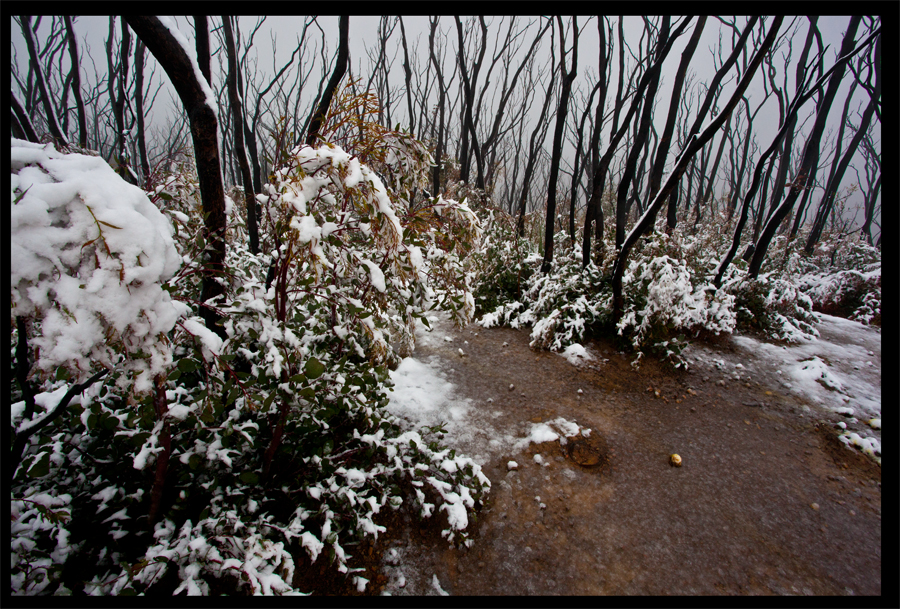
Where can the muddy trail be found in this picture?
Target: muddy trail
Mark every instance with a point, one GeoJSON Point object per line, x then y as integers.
{"type": "Point", "coordinates": [767, 500]}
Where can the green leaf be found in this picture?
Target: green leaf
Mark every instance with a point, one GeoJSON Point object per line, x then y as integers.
{"type": "Point", "coordinates": [41, 467]}
{"type": "Point", "coordinates": [249, 478]}
{"type": "Point", "coordinates": [314, 368]}
{"type": "Point", "coordinates": [187, 365]}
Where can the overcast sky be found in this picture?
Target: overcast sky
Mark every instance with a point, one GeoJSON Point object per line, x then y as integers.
{"type": "Point", "coordinates": [93, 31]}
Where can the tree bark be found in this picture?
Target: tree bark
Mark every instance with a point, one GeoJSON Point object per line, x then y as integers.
{"type": "Point", "coordinates": [139, 110]}
{"type": "Point", "coordinates": [52, 121]}
{"type": "Point", "coordinates": [811, 153]}
{"type": "Point", "coordinates": [162, 459]}
{"type": "Point", "coordinates": [237, 110]}
{"type": "Point", "coordinates": [694, 144]}
{"type": "Point", "coordinates": [76, 81]}
{"type": "Point", "coordinates": [827, 204]}
{"type": "Point", "coordinates": [340, 68]}
{"type": "Point", "coordinates": [22, 119]}
{"type": "Point", "coordinates": [567, 78]}
{"type": "Point", "coordinates": [178, 65]}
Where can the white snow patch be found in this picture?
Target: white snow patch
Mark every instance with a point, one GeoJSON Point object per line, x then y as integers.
{"type": "Point", "coordinates": [576, 354]}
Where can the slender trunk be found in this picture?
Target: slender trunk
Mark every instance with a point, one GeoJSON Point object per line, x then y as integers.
{"type": "Point", "coordinates": [22, 119]}
{"type": "Point", "coordinates": [162, 458]}
{"type": "Point", "coordinates": [76, 82]}
{"type": "Point", "coordinates": [693, 145]}
{"type": "Point", "coordinates": [563, 110]}
{"type": "Point", "coordinates": [181, 71]}
{"type": "Point", "coordinates": [55, 129]}
{"type": "Point", "coordinates": [237, 110]}
{"type": "Point", "coordinates": [139, 48]}
{"type": "Point", "coordinates": [811, 154]}
{"type": "Point", "coordinates": [340, 68]}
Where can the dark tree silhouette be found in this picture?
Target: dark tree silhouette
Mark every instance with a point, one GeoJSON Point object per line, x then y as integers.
{"type": "Point", "coordinates": [567, 78]}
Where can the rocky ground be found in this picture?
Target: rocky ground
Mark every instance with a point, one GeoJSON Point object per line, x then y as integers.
{"type": "Point", "coordinates": [767, 500]}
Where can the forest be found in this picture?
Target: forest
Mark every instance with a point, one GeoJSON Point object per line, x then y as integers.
{"type": "Point", "coordinates": [224, 243]}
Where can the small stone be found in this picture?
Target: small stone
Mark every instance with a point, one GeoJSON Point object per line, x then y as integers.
{"type": "Point", "coordinates": [675, 460]}
{"type": "Point", "coordinates": [769, 393]}
{"type": "Point", "coordinates": [692, 392]}
{"type": "Point", "coordinates": [580, 392]}
{"type": "Point", "coordinates": [490, 400]}
{"type": "Point", "coordinates": [505, 344]}
{"type": "Point", "coordinates": [814, 506]}
{"type": "Point", "coordinates": [512, 465]}
{"type": "Point", "coordinates": [852, 513]}
{"type": "Point", "coordinates": [511, 386]}
{"type": "Point", "coordinates": [693, 409]}
{"type": "Point", "coordinates": [746, 422]}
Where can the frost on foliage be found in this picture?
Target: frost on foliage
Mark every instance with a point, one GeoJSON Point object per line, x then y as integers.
{"type": "Point", "coordinates": [88, 254]}
{"type": "Point", "coordinates": [848, 293]}
{"type": "Point", "coordinates": [39, 541]}
{"type": "Point", "coordinates": [661, 299]}
{"type": "Point", "coordinates": [775, 306]}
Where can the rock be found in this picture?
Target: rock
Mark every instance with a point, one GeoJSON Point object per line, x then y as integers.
{"type": "Point", "coordinates": [584, 453]}
{"type": "Point", "coordinates": [814, 506]}
{"type": "Point", "coordinates": [512, 465]}
{"type": "Point", "coordinates": [511, 386]}
{"type": "Point", "coordinates": [675, 460]}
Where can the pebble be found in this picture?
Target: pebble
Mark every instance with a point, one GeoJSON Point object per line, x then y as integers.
{"type": "Point", "coordinates": [814, 506]}
{"type": "Point", "coordinates": [512, 465]}
{"type": "Point", "coordinates": [511, 386]}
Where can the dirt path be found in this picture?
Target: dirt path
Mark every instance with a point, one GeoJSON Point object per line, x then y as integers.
{"type": "Point", "coordinates": [767, 501]}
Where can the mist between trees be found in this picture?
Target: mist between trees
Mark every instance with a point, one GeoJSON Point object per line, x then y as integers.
{"type": "Point", "coordinates": [510, 73]}
{"type": "Point", "coordinates": [225, 231]}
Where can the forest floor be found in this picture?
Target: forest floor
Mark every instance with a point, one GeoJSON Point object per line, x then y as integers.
{"type": "Point", "coordinates": [768, 500]}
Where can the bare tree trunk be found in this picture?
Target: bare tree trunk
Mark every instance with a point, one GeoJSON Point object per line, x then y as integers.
{"type": "Point", "coordinates": [139, 48]}
{"type": "Point", "coordinates": [55, 129]}
{"type": "Point", "coordinates": [237, 110]}
{"type": "Point", "coordinates": [665, 140]}
{"type": "Point", "coordinates": [693, 145]}
{"type": "Point", "coordinates": [567, 78]}
{"type": "Point", "coordinates": [76, 82]}
{"type": "Point", "coordinates": [21, 119]}
{"type": "Point", "coordinates": [180, 68]}
{"type": "Point", "coordinates": [160, 405]}
{"type": "Point", "coordinates": [827, 204]}
{"type": "Point", "coordinates": [811, 154]}
{"type": "Point", "coordinates": [340, 68]}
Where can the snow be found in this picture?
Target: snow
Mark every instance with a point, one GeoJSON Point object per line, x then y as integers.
{"type": "Point", "coordinates": [839, 373]}
{"type": "Point", "coordinates": [437, 586]}
{"type": "Point", "coordinates": [576, 354]}
{"type": "Point", "coordinates": [376, 275]}
{"type": "Point", "coordinates": [89, 253]}
{"type": "Point", "coordinates": [169, 24]}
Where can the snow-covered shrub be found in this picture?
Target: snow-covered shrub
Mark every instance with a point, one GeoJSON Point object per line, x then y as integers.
{"type": "Point", "coordinates": [772, 305]}
{"type": "Point", "coordinates": [563, 306]}
{"type": "Point", "coordinates": [89, 253]}
{"type": "Point", "coordinates": [280, 440]}
{"type": "Point", "coordinates": [498, 267]}
{"type": "Point", "coordinates": [849, 294]}
{"type": "Point", "coordinates": [662, 305]}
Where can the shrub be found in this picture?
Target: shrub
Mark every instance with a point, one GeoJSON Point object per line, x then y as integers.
{"type": "Point", "coordinates": [277, 437]}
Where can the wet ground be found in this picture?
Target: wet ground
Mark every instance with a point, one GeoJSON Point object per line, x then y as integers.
{"type": "Point", "coordinates": [767, 500]}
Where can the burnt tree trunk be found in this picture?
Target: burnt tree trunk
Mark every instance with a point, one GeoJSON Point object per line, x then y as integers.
{"type": "Point", "coordinates": [180, 68]}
